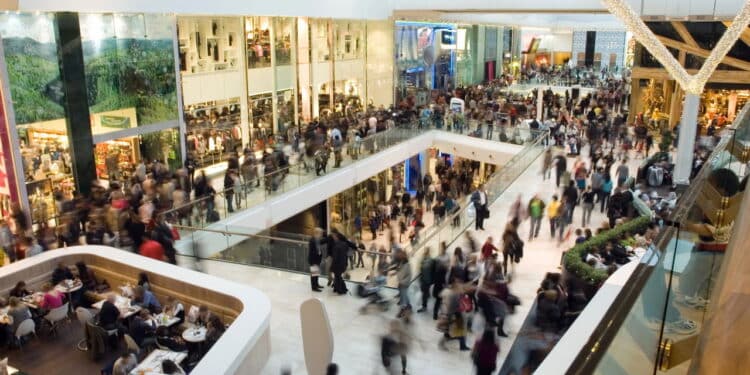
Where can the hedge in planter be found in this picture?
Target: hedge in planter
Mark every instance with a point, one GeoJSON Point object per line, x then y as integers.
{"type": "Point", "coordinates": [575, 265]}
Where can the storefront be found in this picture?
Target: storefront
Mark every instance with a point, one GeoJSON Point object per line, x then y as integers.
{"type": "Point", "coordinates": [425, 59]}
{"type": "Point", "coordinates": [128, 106]}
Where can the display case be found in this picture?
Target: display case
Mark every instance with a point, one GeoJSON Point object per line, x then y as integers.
{"type": "Point", "coordinates": [209, 44]}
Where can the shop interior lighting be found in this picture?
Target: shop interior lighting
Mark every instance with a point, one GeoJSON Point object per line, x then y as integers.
{"type": "Point", "coordinates": [690, 83]}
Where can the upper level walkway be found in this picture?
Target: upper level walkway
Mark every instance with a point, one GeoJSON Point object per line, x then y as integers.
{"type": "Point", "coordinates": [301, 189]}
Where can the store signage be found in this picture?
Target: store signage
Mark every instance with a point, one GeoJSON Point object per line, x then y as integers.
{"type": "Point", "coordinates": [117, 122]}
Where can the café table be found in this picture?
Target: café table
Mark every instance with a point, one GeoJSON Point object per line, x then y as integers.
{"type": "Point", "coordinates": [165, 320]}
{"type": "Point", "coordinates": [32, 300]}
{"type": "Point", "coordinates": [194, 334]}
{"type": "Point", "coordinates": [152, 363]}
{"type": "Point", "coordinates": [68, 287]}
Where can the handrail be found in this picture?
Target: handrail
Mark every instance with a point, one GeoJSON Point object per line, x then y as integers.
{"type": "Point", "coordinates": [233, 233]}
{"type": "Point", "coordinates": [593, 351]}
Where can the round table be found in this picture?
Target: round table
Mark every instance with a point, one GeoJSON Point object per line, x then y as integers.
{"type": "Point", "coordinates": [194, 334]}
{"type": "Point", "coordinates": [65, 287]}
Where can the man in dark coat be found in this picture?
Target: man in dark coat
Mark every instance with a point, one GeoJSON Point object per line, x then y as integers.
{"type": "Point", "coordinates": [315, 257]}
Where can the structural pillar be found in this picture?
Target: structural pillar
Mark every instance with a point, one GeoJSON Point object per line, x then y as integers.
{"type": "Point", "coordinates": [686, 145]}
{"type": "Point", "coordinates": [75, 100]}
{"type": "Point", "coordinates": [539, 103]}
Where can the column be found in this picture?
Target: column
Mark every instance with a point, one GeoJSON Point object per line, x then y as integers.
{"type": "Point", "coordinates": [274, 98]}
{"type": "Point", "coordinates": [180, 103]}
{"type": "Point", "coordinates": [539, 102]}
{"type": "Point", "coordinates": [75, 100]}
{"type": "Point", "coordinates": [479, 60]}
{"type": "Point", "coordinates": [500, 44]}
{"type": "Point", "coordinates": [244, 109]}
{"type": "Point", "coordinates": [686, 145]}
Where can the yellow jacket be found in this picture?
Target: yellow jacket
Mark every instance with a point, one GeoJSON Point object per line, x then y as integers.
{"type": "Point", "coordinates": [553, 208]}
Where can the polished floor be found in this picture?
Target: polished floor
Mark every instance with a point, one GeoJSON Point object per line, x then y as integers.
{"type": "Point", "coordinates": [356, 335]}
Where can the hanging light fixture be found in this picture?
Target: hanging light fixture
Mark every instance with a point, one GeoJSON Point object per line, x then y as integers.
{"type": "Point", "coordinates": [690, 83]}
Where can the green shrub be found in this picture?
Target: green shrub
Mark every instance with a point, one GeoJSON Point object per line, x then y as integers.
{"type": "Point", "coordinates": [573, 263]}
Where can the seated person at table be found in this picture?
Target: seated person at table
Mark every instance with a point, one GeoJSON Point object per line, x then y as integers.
{"type": "Point", "coordinates": [52, 298]}
{"type": "Point", "coordinates": [18, 311]}
{"type": "Point", "coordinates": [175, 309]}
{"type": "Point", "coordinates": [165, 339]}
{"type": "Point", "coordinates": [203, 316]}
{"type": "Point", "coordinates": [5, 328]}
{"type": "Point", "coordinates": [142, 329]}
{"type": "Point", "coordinates": [168, 367]}
{"type": "Point", "coordinates": [109, 315]}
{"type": "Point", "coordinates": [87, 277]}
{"type": "Point", "coordinates": [125, 364]}
{"type": "Point", "coordinates": [214, 331]}
{"type": "Point", "coordinates": [146, 300]}
{"type": "Point", "coordinates": [61, 273]}
{"type": "Point", "coordinates": [20, 290]}
{"type": "Point", "coordinates": [143, 281]}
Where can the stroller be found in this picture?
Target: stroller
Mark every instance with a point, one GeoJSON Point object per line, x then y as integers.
{"type": "Point", "coordinates": [371, 291]}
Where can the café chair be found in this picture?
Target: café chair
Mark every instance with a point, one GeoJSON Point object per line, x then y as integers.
{"type": "Point", "coordinates": [24, 329]}
{"type": "Point", "coordinates": [131, 344]}
{"type": "Point", "coordinates": [84, 316]}
{"type": "Point", "coordinates": [55, 316]}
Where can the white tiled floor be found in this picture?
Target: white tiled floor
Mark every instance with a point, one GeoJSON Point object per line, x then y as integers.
{"type": "Point", "coordinates": [356, 345]}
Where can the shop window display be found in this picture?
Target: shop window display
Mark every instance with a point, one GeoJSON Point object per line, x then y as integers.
{"type": "Point", "coordinates": [349, 39]}
{"type": "Point", "coordinates": [283, 29]}
{"type": "Point", "coordinates": [213, 130]}
{"type": "Point", "coordinates": [320, 42]}
{"type": "Point", "coordinates": [258, 39]}
{"type": "Point", "coordinates": [261, 115]}
{"type": "Point", "coordinates": [162, 146]}
{"type": "Point", "coordinates": [129, 63]}
{"type": "Point", "coordinates": [208, 44]}
{"type": "Point", "coordinates": [115, 160]}
{"type": "Point", "coordinates": [425, 59]}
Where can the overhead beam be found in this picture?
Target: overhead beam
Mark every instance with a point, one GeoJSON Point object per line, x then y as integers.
{"type": "Point", "coordinates": [719, 76]}
{"type": "Point", "coordinates": [684, 33]}
{"type": "Point", "coordinates": [737, 63]}
{"type": "Point", "coordinates": [744, 37]}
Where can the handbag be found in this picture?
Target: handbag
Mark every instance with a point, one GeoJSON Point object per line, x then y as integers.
{"type": "Point", "coordinates": [315, 270]}
{"type": "Point", "coordinates": [465, 304]}
{"type": "Point", "coordinates": [486, 212]}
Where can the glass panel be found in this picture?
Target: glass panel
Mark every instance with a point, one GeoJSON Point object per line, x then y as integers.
{"type": "Point", "coordinates": [130, 73]}
{"type": "Point", "coordinates": [283, 28]}
{"type": "Point", "coordinates": [258, 42]}
{"type": "Point", "coordinates": [30, 50]}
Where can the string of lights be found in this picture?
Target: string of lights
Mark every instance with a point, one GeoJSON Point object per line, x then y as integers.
{"type": "Point", "coordinates": [690, 83]}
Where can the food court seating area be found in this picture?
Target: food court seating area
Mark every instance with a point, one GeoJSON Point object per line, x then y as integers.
{"type": "Point", "coordinates": [238, 350]}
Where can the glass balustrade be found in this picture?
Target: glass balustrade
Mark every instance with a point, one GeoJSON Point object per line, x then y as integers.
{"type": "Point", "coordinates": [660, 314]}
{"type": "Point", "coordinates": [203, 211]}
{"type": "Point", "coordinates": [289, 251]}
